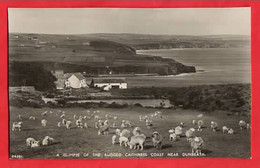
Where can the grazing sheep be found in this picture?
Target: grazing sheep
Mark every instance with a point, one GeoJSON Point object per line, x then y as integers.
{"type": "Point", "coordinates": [124, 140]}
{"type": "Point", "coordinates": [178, 131]}
{"type": "Point", "coordinates": [136, 142]}
{"type": "Point", "coordinates": [32, 118]}
{"type": "Point", "coordinates": [62, 116]}
{"type": "Point", "coordinates": [45, 113]}
{"type": "Point", "coordinates": [141, 118]}
{"type": "Point", "coordinates": [106, 122]}
{"type": "Point", "coordinates": [172, 136]}
{"type": "Point", "coordinates": [99, 123]}
{"type": "Point", "coordinates": [148, 124]}
{"type": "Point", "coordinates": [47, 141]}
{"type": "Point", "coordinates": [63, 121]}
{"type": "Point", "coordinates": [68, 124]}
{"type": "Point", "coordinates": [115, 117]}
{"type": "Point", "coordinates": [44, 122]}
{"type": "Point", "coordinates": [196, 144]}
{"type": "Point", "coordinates": [230, 131]}
{"type": "Point", "coordinates": [194, 122]}
{"type": "Point", "coordinates": [225, 129]}
{"type": "Point", "coordinates": [200, 125]}
{"type": "Point", "coordinates": [17, 126]}
{"type": "Point", "coordinates": [79, 123]}
{"type": "Point", "coordinates": [104, 129]}
{"type": "Point", "coordinates": [97, 117]}
{"type": "Point", "coordinates": [137, 131]}
{"type": "Point", "coordinates": [85, 117]}
{"type": "Point", "coordinates": [75, 117]}
{"type": "Point", "coordinates": [86, 125]}
{"type": "Point", "coordinates": [214, 126]}
{"type": "Point", "coordinates": [189, 133]}
{"type": "Point", "coordinates": [157, 140]}
{"type": "Point", "coordinates": [125, 133]}
{"type": "Point", "coordinates": [32, 143]}
{"type": "Point", "coordinates": [242, 124]}
{"type": "Point", "coordinates": [158, 114]}
{"type": "Point", "coordinates": [114, 139]}
{"type": "Point", "coordinates": [59, 124]}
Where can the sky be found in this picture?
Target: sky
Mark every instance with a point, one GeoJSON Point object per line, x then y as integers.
{"type": "Point", "coordinates": [172, 21]}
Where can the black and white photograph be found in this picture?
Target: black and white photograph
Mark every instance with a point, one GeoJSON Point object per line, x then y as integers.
{"type": "Point", "coordinates": [101, 83]}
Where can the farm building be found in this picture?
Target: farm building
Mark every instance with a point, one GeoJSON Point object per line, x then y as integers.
{"type": "Point", "coordinates": [109, 83]}
{"type": "Point", "coordinates": [75, 80]}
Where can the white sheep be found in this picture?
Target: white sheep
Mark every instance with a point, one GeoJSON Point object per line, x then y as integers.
{"type": "Point", "coordinates": [225, 129]}
{"type": "Point", "coordinates": [115, 117]}
{"type": "Point", "coordinates": [200, 125]}
{"type": "Point", "coordinates": [114, 139]}
{"type": "Point", "coordinates": [68, 124]}
{"type": "Point", "coordinates": [178, 131]}
{"type": "Point", "coordinates": [157, 140]}
{"type": "Point", "coordinates": [189, 133]}
{"type": "Point", "coordinates": [242, 124]}
{"type": "Point", "coordinates": [47, 141]}
{"type": "Point", "coordinates": [196, 144]}
{"type": "Point", "coordinates": [125, 133]}
{"type": "Point", "coordinates": [148, 123]}
{"type": "Point", "coordinates": [214, 126]}
{"type": "Point", "coordinates": [173, 136]}
{"type": "Point", "coordinates": [137, 141]}
{"type": "Point", "coordinates": [106, 122]}
{"type": "Point", "coordinates": [182, 124]}
{"type": "Point", "coordinates": [114, 125]}
{"type": "Point", "coordinates": [118, 131]}
{"type": "Point", "coordinates": [62, 116]}
{"type": "Point", "coordinates": [32, 118]}
{"type": "Point", "coordinates": [63, 121]}
{"type": "Point", "coordinates": [20, 117]}
{"type": "Point", "coordinates": [17, 126]}
{"type": "Point", "coordinates": [79, 123]}
{"type": "Point", "coordinates": [124, 140]}
{"type": "Point", "coordinates": [75, 117]}
{"type": "Point", "coordinates": [104, 129]}
{"type": "Point", "coordinates": [32, 143]}
{"type": "Point", "coordinates": [194, 122]}
{"type": "Point", "coordinates": [86, 125]}
{"type": "Point", "coordinates": [44, 122]}
{"type": "Point", "coordinates": [59, 124]}
{"type": "Point", "coordinates": [45, 113]}
{"type": "Point", "coordinates": [231, 131]}
{"type": "Point", "coordinates": [137, 131]}
{"type": "Point", "coordinates": [200, 116]}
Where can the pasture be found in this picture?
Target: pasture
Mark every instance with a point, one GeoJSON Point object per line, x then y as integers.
{"type": "Point", "coordinates": [87, 140]}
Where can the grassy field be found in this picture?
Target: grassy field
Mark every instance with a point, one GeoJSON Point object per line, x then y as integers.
{"type": "Point", "coordinates": [82, 141]}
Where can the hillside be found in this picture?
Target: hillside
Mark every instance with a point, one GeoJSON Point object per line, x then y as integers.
{"type": "Point", "coordinates": [87, 54]}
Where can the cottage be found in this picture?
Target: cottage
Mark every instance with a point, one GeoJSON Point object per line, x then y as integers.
{"type": "Point", "coordinates": [109, 83]}
{"type": "Point", "coordinates": [76, 80]}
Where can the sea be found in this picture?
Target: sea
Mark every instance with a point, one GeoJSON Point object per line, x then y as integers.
{"type": "Point", "coordinates": [213, 66]}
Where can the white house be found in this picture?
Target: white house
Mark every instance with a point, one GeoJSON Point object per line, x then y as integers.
{"type": "Point", "coordinates": [109, 83]}
{"type": "Point", "coordinates": [75, 80]}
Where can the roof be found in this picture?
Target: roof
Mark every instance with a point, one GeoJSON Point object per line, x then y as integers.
{"type": "Point", "coordinates": [78, 75]}
{"type": "Point", "coordinates": [109, 80]}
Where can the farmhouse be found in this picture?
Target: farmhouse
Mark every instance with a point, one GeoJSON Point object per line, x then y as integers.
{"type": "Point", "coordinates": [75, 80]}
{"type": "Point", "coordinates": [109, 83]}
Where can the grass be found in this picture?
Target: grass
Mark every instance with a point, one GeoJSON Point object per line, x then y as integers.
{"type": "Point", "coordinates": [87, 140]}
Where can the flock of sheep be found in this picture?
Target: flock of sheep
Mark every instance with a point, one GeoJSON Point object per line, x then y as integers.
{"type": "Point", "coordinates": [122, 135]}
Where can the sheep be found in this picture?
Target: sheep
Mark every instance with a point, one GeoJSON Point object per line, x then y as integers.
{"type": "Point", "coordinates": [62, 116]}
{"type": "Point", "coordinates": [124, 140]}
{"type": "Point", "coordinates": [32, 118]}
{"type": "Point", "coordinates": [45, 113]}
{"type": "Point", "coordinates": [141, 118]}
{"type": "Point", "coordinates": [68, 124]}
{"type": "Point", "coordinates": [75, 117]}
{"type": "Point", "coordinates": [63, 121]}
{"type": "Point", "coordinates": [59, 124]}
{"type": "Point", "coordinates": [242, 124]}
{"type": "Point", "coordinates": [200, 115]}
{"type": "Point", "coordinates": [178, 131]}
{"type": "Point", "coordinates": [172, 136]}
{"type": "Point", "coordinates": [214, 126]}
{"type": "Point", "coordinates": [106, 122]}
{"type": "Point", "coordinates": [148, 124]}
{"type": "Point", "coordinates": [97, 117]}
{"type": "Point", "coordinates": [79, 123]}
{"type": "Point", "coordinates": [32, 143]}
{"type": "Point", "coordinates": [137, 131]}
{"type": "Point", "coordinates": [128, 123]}
{"type": "Point", "coordinates": [230, 131]}
{"type": "Point", "coordinates": [20, 117]}
{"type": "Point", "coordinates": [44, 122]}
{"type": "Point", "coordinates": [200, 124]}
{"type": "Point", "coordinates": [115, 117]}
{"type": "Point", "coordinates": [158, 114]}
{"type": "Point", "coordinates": [114, 139]}
{"type": "Point", "coordinates": [137, 141]}
{"type": "Point", "coordinates": [157, 140]}
{"type": "Point", "coordinates": [85, 117]}
{"type": "Point", "coordinates": [194, 122]}
{"type": "Point", "coordinates": [86, 125]}
{"type": "Point", "coordinates": [189, 133]}
{"type": "Point", "coordinates": [104, 129]}
{"type": "Point", "coordinates": [99, 123]}
{"type": "Point", "coordinates": [118, 131]}
{"type": "Point", "coordinates": [125, 133]}
{"type": "Point", "coordinates": [17, 126]}
{"type": "Point", "coordinates": [47, 141]}
{"type": "Point", "coordinates": [182, 124]}
{"type": "Point", "coordinates": [196, 144]}
{"type": "Point", "coordinates": [225, 129]}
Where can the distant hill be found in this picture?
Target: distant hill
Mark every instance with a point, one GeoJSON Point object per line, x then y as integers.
{"type": "Point", "coordinates": [89, 54]}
